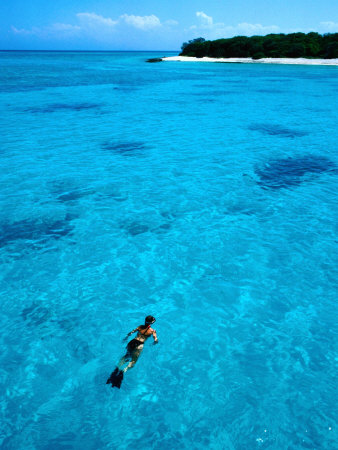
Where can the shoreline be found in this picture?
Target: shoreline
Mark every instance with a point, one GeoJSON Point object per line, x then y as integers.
{"type": "Point", "coordinates": [294, 61]}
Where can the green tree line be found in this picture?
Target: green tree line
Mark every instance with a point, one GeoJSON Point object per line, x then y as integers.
{"type": "Point", "coordinates": [294, 45]}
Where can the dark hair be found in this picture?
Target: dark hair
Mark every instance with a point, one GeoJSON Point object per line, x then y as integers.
{"type": "Point", "coordinates": [149, 320]}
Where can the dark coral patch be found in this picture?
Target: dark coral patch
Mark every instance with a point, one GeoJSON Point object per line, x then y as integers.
{"type": "Point", "coordinates": [34, 231]}
{"type": "Point", "coordinates": [63, 107]}
{"type": "Point", "coordinates": [277, 130]}
{"type": "Point", "coordinates": [35, 314]}
{"type": "Point", "coordinates": [74, 195]}
{"type": "Point", "coordinates": [65, 191]}
{"type": "Point", "coordinates": [83, 352]}
{"type": "Point", "coordinates": [290, 172]}
{"type": "Point", "coordinates": [126, 89]}
{"type": "Point", "coordinates": [164, 228]}
{"type": "Point", "coordinates": [210, 93]}
{"type": "Point", "coordinates": [270, 91]}
{"type": "Point", "coordinates": [117, 196]}
{"type": "Point", "coordinates": [124, 148]}
{"type": "Point", "coordinates": [136, 228]}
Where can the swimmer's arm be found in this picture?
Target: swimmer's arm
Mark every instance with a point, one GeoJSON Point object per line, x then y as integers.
{"type": "Point", "coordinates": [130, 333]}
{"type": "Point", "coordinates": [155, 337]}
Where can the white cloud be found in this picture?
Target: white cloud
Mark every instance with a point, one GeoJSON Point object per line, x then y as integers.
{"type": "Point", "coordinates": [171, 23]}
{"type": "Point", "coordinates": [142, 22]}
{"type": "Point", "coordinates": [329, 26]}
{"type": "Point", "coordinates": [211, 30]}
{"type": "Point", "coordinates": [206, 21]}
{"type": "Point", "coordinates": [64, 27]}
{"type": "Point", "coordinates": [257, 28]}
{"type": "Point", "coordinates": [56, 30]}
{"type": "Point", "coordinates": [95, 20]}
{"type": "Point", "coordinates": [21, 30]}
{"type": "Point", "coordinates": [94, 25]}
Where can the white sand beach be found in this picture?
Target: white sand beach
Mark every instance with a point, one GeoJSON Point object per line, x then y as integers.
{"type": "Point", "coordinates": [299, 61]}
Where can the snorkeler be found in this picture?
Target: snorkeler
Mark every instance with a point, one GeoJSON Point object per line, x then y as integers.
{"type": "Point", "coordinates": [134, 349]}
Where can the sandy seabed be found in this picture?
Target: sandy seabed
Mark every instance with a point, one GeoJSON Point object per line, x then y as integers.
{"type": "Point", "coordinates": [303, 61]}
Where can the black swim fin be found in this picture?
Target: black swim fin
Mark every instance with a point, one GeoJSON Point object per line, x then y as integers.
{"type": "Point", "coordinates": [115, 378]}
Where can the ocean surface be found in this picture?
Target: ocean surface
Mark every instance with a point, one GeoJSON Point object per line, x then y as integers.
{"type": "Point", "coordinates": [202, 194]}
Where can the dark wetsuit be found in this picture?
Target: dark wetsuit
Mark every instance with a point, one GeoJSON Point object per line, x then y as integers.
{"type": "Point", "coordinates": [134, 344]}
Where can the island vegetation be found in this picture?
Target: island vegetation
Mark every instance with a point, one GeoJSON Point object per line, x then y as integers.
{"type": "Point", "coordinates": [294, 45]}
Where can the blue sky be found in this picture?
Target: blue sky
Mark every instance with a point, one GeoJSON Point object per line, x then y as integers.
{"type": "Point", "coordinates": [153, 24]}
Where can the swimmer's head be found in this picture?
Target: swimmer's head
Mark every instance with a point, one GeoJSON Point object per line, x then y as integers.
{"type": "Point", "coordinates": [149, 320]}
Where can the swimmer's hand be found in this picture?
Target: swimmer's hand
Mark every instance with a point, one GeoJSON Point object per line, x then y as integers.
{"type": "Point", "coordinates": [155, 342]}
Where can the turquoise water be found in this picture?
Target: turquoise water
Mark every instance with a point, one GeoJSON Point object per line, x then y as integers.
{"type": "Point", "coordinates": [203, 194]}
